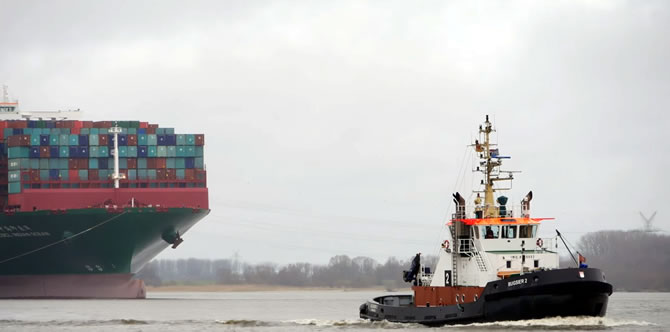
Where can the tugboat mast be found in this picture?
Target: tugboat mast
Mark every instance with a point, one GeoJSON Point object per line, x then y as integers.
{"type": "Point", "coordinates": [486, 154]}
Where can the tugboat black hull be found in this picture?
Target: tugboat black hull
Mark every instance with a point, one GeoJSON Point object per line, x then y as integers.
{"type": "Point", "coordinates": [562, 292]}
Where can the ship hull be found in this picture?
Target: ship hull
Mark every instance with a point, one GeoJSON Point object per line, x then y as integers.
{"type": "Point", "coordinates": [563, 292]}
{"type": "Point", "coordinates": [85, 253]}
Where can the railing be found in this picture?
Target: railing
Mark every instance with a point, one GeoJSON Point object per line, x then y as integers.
{"type": "Point", "coordinates": [511, 211]}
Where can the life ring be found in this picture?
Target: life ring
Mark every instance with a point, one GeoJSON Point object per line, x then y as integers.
{"type": "Point", "coordinates": [539, 243]}
{"type": "Point", "coordinates": [445, 244]}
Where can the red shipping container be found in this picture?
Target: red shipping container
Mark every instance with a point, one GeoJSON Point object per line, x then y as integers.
{"type": "Point", "coordinates": [151, 130]}
{"type": "Point", "coordinates": [25, 140]}
{"type": "Point", "coordinates": [77, 124]}
{"type": "Point", "coordinates": [74, 174]}
{"type": "Point", "coordinates": [87, 124]}
{"type": "Point", "coordinates": [151, 163]}
{"type": "Point", "coordinates": [132, 163]}
{"type": "Point", "coordinates": [44, 152]}
{"type": "Point", "coordinates": [72, 163]}
{"type": "Point", "coordinates": [75, 131]}
{"type": "Point", "coordinates": [153, 126]}
{"type": "Point", "coordinates": [131, 139]}
{"type": "Point", "coordinates": [3, 125]}
{"type": "Point", "coordinates": [82, 163]}
{"type": "Point", "coordinates": [34, 175]}
{"type": "Point", "coordinates": [171, 174]}
{"type": "Point", "coordinates": [189, 174]}
{"type": "Point", "coordinates": [144, 124]}
{"type": "Point", "coordinates": [161, 163]}
{"type": "Point", "coordinates": [93, 174]}
{"type": "Point", "coordinates": [161, 174]}
{"type": "Point", "coordinates": [14, 140]}
{"type": "Point", "coordinates": [17, 124]}
{"type": "Point", "coordinates": [102, 139]}
{"type": "Point", "coordinates": [200, 139]}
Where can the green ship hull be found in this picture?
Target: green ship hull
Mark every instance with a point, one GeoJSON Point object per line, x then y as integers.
{"type": "Point", "coordinates": [85, 253]}
{"type": "Point", "coordinates": [89, 241]}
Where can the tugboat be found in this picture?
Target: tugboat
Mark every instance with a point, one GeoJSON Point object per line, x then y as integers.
{"type": "Point", "coordinates": [498, 269]}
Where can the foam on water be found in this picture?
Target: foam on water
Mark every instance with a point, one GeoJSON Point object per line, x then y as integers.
{"type": "Point", "coordinates": [555, 323]}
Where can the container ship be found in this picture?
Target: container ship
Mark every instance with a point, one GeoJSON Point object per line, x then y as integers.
{"type": "Point", "coordinates": [494, 267]}
{"type": "Point", "coordinates": [86, 204]}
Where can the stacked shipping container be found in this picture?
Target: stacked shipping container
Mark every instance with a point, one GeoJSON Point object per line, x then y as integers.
{"type": "Point", "coordinates": [79, 154]}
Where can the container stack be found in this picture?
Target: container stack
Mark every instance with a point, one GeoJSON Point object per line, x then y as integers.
{"type": "Point", "coordinates": [79, 154]}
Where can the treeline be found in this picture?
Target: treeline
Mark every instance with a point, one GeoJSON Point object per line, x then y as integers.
{"type": "Point", "coordinates": [631, 260]}
{"type": "Point", "coordinates": [341, 271]}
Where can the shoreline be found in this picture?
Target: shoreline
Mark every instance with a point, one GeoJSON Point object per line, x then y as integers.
{"type": "Point", "coordinates": [256, 288]}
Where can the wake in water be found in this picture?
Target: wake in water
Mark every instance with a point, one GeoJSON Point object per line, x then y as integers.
{"type": "Point", "coordinates": [561, 323]}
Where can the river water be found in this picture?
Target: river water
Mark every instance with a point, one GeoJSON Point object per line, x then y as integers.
{"type": "Point", "coordinates": [288, 311]}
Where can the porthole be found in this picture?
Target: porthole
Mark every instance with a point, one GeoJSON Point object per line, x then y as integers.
{"type": "Point", "coordinates": [456, 298]}
{"type": "Point", "coordinates": [463, 298]}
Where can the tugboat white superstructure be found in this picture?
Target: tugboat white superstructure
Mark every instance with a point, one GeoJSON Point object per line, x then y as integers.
{"type": "Point", "coordinates": [494, 267]}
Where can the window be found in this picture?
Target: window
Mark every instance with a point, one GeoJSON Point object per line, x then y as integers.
{"type": "Point", "coordinates": [527, 231]}
{"type": "Point", "coordinates": [537, 263]}
{"type": "Point", "coordinates": [509, 232]}
{"type": "Point", "coordinates": [509, 264]}
{"type": "Point", "coordinates": [490, 232]}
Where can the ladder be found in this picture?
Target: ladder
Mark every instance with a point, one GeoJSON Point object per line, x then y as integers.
{"type": "Point", "coordinates": [479, 258]}
{"type": "Point", "coordinates": [454, 257]}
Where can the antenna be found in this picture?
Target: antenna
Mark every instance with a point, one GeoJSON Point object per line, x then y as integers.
{"type": "Point", "coordinates": [5, 94]}
{"type": "Point", "coordinates": [647, 223]}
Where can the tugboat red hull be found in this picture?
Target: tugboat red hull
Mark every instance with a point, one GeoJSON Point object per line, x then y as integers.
{"type": "Point", "coordinates": [561, 292]}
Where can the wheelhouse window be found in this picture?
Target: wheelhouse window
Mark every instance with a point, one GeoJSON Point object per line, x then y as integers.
{"type": "Point", "coordinates": [490, 232]}
{"type": "Point", "coordinates": [527, 231]}
{"type": "Point", "coordinates": [509, 232]}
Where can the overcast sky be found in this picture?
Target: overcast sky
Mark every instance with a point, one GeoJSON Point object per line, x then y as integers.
{"type": "Point", "coordinates": [337, 127]}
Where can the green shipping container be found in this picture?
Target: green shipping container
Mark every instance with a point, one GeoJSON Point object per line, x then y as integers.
{"type": "Point", "coordinates": [44, 164]}
{"type": "Point", "coordinates": [180, 174]}
{"type": "Point", "coordinates": [14, 176]}
{"type": "Point", "coordinates": [180, 163]}
{"type": "Point", "coordinates": [103, 174]}
{"type": "Point", "coordinates": [103, 152]}
{"type": "Point", "coordinates": [54, 139]}
{"type": "Point", "coordinates": [132, 131]}
{"type": "Point", "coordinates": [171, 151]}
{"type": "Point", "coordinates": [151, 151]}
{"type": "Point", "coordinates": [181, 139]}
{"type": "Point", "coordinates": [74, 140]}
{"type": "Point", "coordinates": [170, 163]}
{"type": "Point", "coordinates": [95, 131]}
{"type": "Point", "coordinates": [123, 163]}
{"type": "Point", "coordinates": [199, 151]}
{"type": "Point", "coordinates": [18, 152]}
{"type": "Point", "coordinates": [34, 163]}
{"type": "Point", "coordinates": [142, 174]}
{"type": "Point", "coordinates": [13, 164]}
{"type": "Point", "coordinates": [14, 188]}
{"type": "Point", "coordinates": [181, 151]}
{"type": "Point", "coordinates": [64, 174]}
{"type": "Point", "coordinates": [93, 163]}
{"type": "Point", "coordinates": [44, 174]}
{"type": "Point", "coordinates": [199, 163]}
{"type": "Point", "coordinates": [151, 174]}
{"type": "Point", "coordinates": [161, 151]}
{"type": "Point", "coordinates": [123, 151]}
{"type": "Point", "coordinates": [35, 140]}
{"type": "Point", "coordinates": [103, 131]}
{"type": "Point", "coordinates": [142, 139]}
{"type": "Point", "coordinates": [93, 139]}
{"type": "Point", "coordinates": [83, 174]}
{"type": "Point", "coordinates": [169, 131]}
{"type": "Point", "coordinates": [64, 139]}
{"type": "Point", "coordinates": [132, 151]}
{"type": "Point", "coordinates": [64, 151]}
{"type": "Point", "coordinates": [190, 151]}
{"type": "Point", "coordinates": [63, 164]}
{"type": "Point", "coordinates": [190, 139]}
{"type": "Point", "coordinates": [142, 163]}
{"type": "Point", "coordinates": [94, 151]}
{"type": "Point", "coordinates": [152, 139]}
{"type": "Point", "coordinates": [132, 174]}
